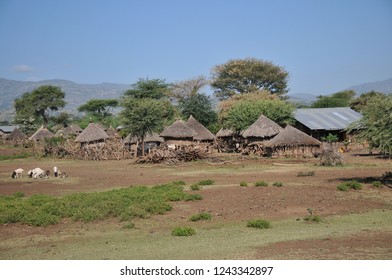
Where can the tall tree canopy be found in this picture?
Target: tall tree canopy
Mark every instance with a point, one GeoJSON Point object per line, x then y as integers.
{"type": "Point", "coordinates": [200, 107]}
{"type": "Point", "coordinates": [99, 107]}
{"type": "Point", "coordinates": [38, 104]}
{"type": "Point", "coordinates": [359, 104]}
{"type": "Point", "coordinates": [339, 99]}
{"type": "Point", "coordinates": [376, 124]}
{"type": "Point", "coordinates": [243, 113]}
{"type": "Point", "coordinates": [241, 76]}
{"type": "Point", "coordinates": [145, 88]}
{"type": "Point", "coordinates": [187, 88]}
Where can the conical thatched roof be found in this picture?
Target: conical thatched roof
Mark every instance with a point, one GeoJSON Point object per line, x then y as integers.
{"type": "Point", "coordinates": [111, 132]}
{"type": "Point", "coordinates": [262, 128]}
{"type": "Point", "coordinates": [202, 133]}
{"type": "Point", "coordinates": [73, 129]}
{"type": "Point", "coordinates": [224, 133]}
{"type": "Point", "coordinates": [41, 133]}
{"type": "Point", "coordinates": [150, 137]}
{"type": "Point", "coordinates": [91, 133]}
{"type": "Point", "coordinates": [16, 134]}
{"type": "Point", "coordinates": [178, 130]}
{"type": "Point", "coordinates": [292, 137]}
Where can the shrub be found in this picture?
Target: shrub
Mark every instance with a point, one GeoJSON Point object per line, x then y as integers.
{"type": "Point", "coordinates": [304, 174]}
{"type": "Point", "coordinates": [377, 184]}
{"type": "Point", "coordinates": [200, 216]}
{"type": "Point", "coordinates": [206, 182]}
{"type": "Point", "coordinates": [313, 218]}
{"type": "Point", "coordinates": [349, 185]}
{"type": "Point", "coordinates": [259, 224]}
{"type": "Point", "coordinates": [179, 183]}
{"type": "Point", "coordinates": [129, 226]}
{"type": "Point", "coordinates": [277, 184]}
{"type": "Point", "coordinates": [243, 184]}
{"type": "Point", "coordinates": [193, 197]}
{"type": "Point", "coordinates": [261, 184]}
{"type": "Point", "coordinates": [18, 194]}
{"type": "Point", "coordinates": [183, 231]}
{"type": "Point", "coordinates": [195, 187]}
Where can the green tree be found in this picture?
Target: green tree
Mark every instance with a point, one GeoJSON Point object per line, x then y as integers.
{"type": "Point", "coordinates": [339, 99]}
{"type": "Point", "coordinates": [200, 107]}
{"type": "Point", "coordinates": [242, 114]}
{"type": "Point", "coordinates": [242, 76]}
{"type": "Point", "coordinates": [144, 115]}
{"type": "Point", "coordinates": [187, 88]}
{"type": "Point", "coordinates": [359, 104]}
{"type": "Point", "coordinates": [63, 119]}
{"type": "Point", "coordinates": [99, 107]}
{"type": "Point", "coordinates": [145, 88]}
{"type": "Point", "coordinates": [376, 124]}
{"type": "Point", "coordinates": [38, 104]}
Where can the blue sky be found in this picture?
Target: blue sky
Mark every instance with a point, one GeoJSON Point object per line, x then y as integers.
{"type": "Point", "coordinates": [326, 46]}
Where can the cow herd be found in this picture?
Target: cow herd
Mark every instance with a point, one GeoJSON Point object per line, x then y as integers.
{"type": "Point", "coordinates": [39, 173]}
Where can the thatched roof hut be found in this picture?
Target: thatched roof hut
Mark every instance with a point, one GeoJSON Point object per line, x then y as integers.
{"type": "Point", "coordinates": [150, 137]}
{"type": "Point", "coordinates": [178, 131]}
{"type": "Point", "coordinates": [224, 133]}
{"type": "Point", "coordinates": [262, 129]}
{"type": "Point", "coordinates": [292, 137]}
{"type": "Point", "coordinates": [202, 133]}
{"type": "Point", "coordinates": [92, 133]}
{"type": "Point", "coordinates": [72, 129]}
{"type": "Point", "coordinates": [112, 132]}
{"type": "Point", "coordinates": [16, 135]}
{"type": "Point", "coordinates": [40, 134]}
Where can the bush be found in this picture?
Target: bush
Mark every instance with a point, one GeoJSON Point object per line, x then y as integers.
{"type": "Point", "coordinates": [349, 185]}
{"type": "Point", "coordinates": [261, 184]}
{"type": "Point", "coordinates": [206, 182]}
{"type": "Point", "coordinates": [259, 224]}
{"type": "Point", "coordinates": [183, 231]}
{"type": "Point", "coordinates": [243, 184]}
{"type": "Point", "coordinates": [129, 226]}
{"type": "Point", "coordinates": [195, 187]}
{"type": "Point", "coordinates": [193, 197]}
{"type": "Point", "coordinates": [200, 216]}
{"type": "Point", "coordinates": [277, 184]}
{"type": "Point", "coordinates": [314, 218]}
{"type": "Point", "coordinates": [377, 184]}
{"type": "Point", "coordinates": [304, 174]}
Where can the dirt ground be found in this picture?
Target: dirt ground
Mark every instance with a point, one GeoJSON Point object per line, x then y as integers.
{"type": "Point", "coordinates": [227, 201]}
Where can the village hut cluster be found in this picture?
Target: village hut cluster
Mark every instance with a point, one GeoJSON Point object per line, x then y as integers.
{"type": "Point", "coordinates": [264, 138]}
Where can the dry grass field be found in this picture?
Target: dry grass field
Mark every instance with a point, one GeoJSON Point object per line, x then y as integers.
{"type": "Point", "coordinates": [355, 224]}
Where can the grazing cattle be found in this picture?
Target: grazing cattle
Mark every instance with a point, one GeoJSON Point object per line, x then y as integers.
{"type": "Point", "coordinates": [55, 171]}
{"type": "Point", "coordinates": [63, 174]}
{"type": "Point", "coordinates": [47, 173]}
{"type": "Point", "coordinates": [18, 173]}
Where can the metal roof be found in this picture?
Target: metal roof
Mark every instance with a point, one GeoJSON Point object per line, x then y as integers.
{"type": "Point", "coordinates": [7, 128]}
{"type": "Point", "coordinates": [327, 118]}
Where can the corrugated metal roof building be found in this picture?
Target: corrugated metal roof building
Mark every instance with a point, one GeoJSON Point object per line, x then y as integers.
{"type": "Point", "coordinates": [318, 122]}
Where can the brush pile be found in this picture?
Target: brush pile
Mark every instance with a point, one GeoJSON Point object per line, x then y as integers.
{"type": "Point", "coordinates": [164, 155]}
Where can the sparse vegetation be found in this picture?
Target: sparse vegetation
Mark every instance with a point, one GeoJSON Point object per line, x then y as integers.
{"type": "Point", "coordinates": [207, 182]}
{"type": "Point", "coordinates": [377, 184]}
{"type": "Point", "coordinates": [313, 218]}
{"type": "Point", "coordinates": [278, 184]}
{"type": "Point", "coordinates": [261, 224]}
{"type": "Point", "coordinates": [349, 185]}
{"type": "Point", "coordinates": [243, 184]}
{"type": "Point", "coordinates": [261, 184]}
{"type": "Point", "coordinates": [183, 231]}
{"type": "Point", "coordinates": [200, 216]}
{"type": "Point", "coordinates": [195, 187]}
{"type": "Point", "coordinates": [305, 173]}
{"type": "Point", "coordinates": [8, 157]}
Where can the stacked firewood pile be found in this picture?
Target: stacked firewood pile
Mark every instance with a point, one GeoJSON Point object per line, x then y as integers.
{"type": "Point", "coordinates": [254, 148]}
{"type": "Point", "coordinates": [164, 155]}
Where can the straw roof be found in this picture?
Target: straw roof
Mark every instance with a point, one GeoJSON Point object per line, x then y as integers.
{"type": "Point", "coordinates": [72, 129]}
{"type": "Point", "coordinates": [91, 133]}
{"type": "Point", "coordinates": [290, 136]}
{"type": "Point", "coordinates": [202, 133]}
{"type": "Point", "coordinates": [16, 134]}
{"type": "Point", "coordinates": [150, 137]}
{"type": "Point", "coordinates": [41, 133]}
{"type": "Point", "coordinates": [263, 127]}
{"type": "Point", "coordinates": [224, 133]}
{"type": "Point", "coordinates": [111, 132]}
{"type": "Point", "coordinates": [178, 130]}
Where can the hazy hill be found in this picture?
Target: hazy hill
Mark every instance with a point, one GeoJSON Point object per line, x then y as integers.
{"type": "Point", "coordinates": [381, 86]}
{"type": "Point", "coordinates": [75, 94]}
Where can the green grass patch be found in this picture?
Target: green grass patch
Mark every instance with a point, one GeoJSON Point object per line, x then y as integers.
{"type": "Point", "coordinates": [207, 182]}
{"type": "Point", "coordinates": [277, 184]}
{"type": "Point", "coordinates": [377, 184]}
{"type": "Point", "coordinates": [8, 157]}
{"type": "Point", "coordinates": [183, 231]}
{"type": "Point", "coordinates": [243, 184]}
{"type": "Point", "coordinates": [261, 224]}
{"type": "Point", "coordinates": [306, 173]}
{"type": "Point", "coordinates": [261, 184]}
{"type": "Point", "coordinates": [126, 204]}
{"type": "Point", "coordinates": [313, 218]}
{"type": "Point", "coordinates": [201, 216]}
{"type": "Point", "coordinates": [195, 187]}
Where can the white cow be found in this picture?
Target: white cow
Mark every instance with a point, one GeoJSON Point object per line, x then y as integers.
{"type": "Point", "coordinates": [18, 173]}
{"type": "Point", "coordinates": [37, 173]}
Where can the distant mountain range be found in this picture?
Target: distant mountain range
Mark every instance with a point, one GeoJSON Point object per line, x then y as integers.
{"type": "Point", "coordinates": [78, 94]}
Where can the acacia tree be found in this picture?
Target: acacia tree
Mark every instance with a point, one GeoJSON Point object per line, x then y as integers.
{"type": "Point", "coordinates": [200, 107]}
{"type": "Point", "coordinates": [187, 88]}
{"type": "Point", "coordinates": [145, 88]}
{"type": "Point", "coordinates": [240, 76]}
{"type": "Point", "coordinates": [38, 104]}
{"type": "Point", "coordinates": [99, 107]}
{"type": "Point", "coordinates": [360, 103]}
